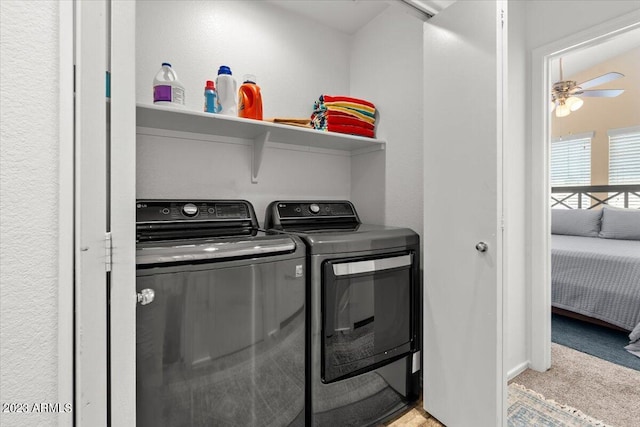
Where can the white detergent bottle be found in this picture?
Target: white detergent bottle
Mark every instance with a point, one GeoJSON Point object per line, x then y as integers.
{"type": "Point", "coordinates": [227, 89]}
{"type": "Point", "coordinates": [167, 89]}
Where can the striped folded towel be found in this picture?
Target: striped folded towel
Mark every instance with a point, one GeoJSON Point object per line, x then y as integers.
{"type": "Point", "coordinates": [347, 99]}
{"type": "Point", "coordinates": [344, 114]}
{"type": "Point", "coordinates": [358, 108]}
{"type": "Point", "coordinates": [321, 120]}
{"type": "Point", "coordinates": [351, 130]}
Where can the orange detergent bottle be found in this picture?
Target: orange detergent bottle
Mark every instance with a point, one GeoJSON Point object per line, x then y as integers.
{"type": "Point", "coordinates": [249, 99]}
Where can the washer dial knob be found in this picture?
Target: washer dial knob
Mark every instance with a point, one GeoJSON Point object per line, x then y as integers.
{"type": "Point", "coordinates": [190, 210]}
{"type": "Point", "coordinates": [314, 208]}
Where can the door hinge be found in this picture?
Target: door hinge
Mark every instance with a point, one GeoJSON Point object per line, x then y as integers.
{"type": "Point", "coordinates": [108, 249]}
{"type": "Point", "coordinates": [502, 17]}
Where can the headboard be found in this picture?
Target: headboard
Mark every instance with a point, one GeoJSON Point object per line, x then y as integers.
{"type": "Point", "coordinates": [592, 196]}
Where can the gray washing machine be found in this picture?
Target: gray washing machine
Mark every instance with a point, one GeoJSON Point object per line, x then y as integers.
{"type": "Point", "coordinates": [363, 324]}
{"type": "Point", "coordinates": [220, 320]}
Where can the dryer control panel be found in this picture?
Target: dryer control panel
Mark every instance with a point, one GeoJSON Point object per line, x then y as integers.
{"type": "Point", "coordinates": [281, 214]}
{"type": "Point", "coordinates": [310, 209]}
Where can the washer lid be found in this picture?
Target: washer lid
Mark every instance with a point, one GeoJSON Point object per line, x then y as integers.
{"type": "Point", "coordinates": [187, 251]}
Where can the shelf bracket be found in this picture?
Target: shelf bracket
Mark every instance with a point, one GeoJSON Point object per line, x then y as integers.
{"type": "Point", "coordinates": [258, 153]}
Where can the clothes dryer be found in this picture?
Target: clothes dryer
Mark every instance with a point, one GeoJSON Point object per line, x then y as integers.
{"type": "Point", "coordinates": [363, 293]}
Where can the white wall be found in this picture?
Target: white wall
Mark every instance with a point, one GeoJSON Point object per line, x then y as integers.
{"type": "Point", "coordinates": [516, 352]}
{"type": "Point", "coordinates": [192, 166]}
{"type": "Point", "coordinates": [294, 59]}
{"type": "Point", "coordinates": [547, 21]}
{"type": "Point", "coordinates": [28, 207]}
{"type": "Point", "coordinates": [386, 67]}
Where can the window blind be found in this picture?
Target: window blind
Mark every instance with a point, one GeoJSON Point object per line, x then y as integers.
{"type": "Point", "coordinates": [624, 161]}
{"type": "Point", "coordinates": [571, 161]}
{"type": "Point", "coordinates": [570, 165]}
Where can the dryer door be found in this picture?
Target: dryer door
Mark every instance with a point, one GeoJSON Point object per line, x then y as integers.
{"type": "Point", "coordinates": [367, 306]}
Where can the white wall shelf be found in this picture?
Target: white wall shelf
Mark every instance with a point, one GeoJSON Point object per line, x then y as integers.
{"type": "Point", "coordinates": [261, 132]}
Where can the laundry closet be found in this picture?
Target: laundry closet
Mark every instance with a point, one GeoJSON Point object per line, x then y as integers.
{"type": "Point", "coordinates": [362, 363]}
{"type": "Point", "coordinates": [189, 155]}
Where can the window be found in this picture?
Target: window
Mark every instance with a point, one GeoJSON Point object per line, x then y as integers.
{"type": "Point", "coordinates": [624, 162]}
{"type": "Point", "coordinates": [570, 166]}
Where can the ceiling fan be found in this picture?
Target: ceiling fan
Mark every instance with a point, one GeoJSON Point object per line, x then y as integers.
{"type": "Point", "coordinates": [566, 94]}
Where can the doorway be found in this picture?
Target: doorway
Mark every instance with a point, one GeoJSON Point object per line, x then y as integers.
{"type": "Point", "coordinates": [543, 60]}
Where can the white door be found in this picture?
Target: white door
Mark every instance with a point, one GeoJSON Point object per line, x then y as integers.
{"type": "Point", "coordinates": [90, 200]}
{"type": "Point", "coordinates": [122, 214]}
{"type": "Point", "coordinates": [464, 383]}
{"type": "Point", "coordinates": [105, 295]}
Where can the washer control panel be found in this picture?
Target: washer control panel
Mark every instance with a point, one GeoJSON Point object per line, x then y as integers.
{"type": "Point", "coordinates": [193, 210]}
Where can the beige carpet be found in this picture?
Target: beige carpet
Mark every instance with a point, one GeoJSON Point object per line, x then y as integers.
{"type": "Point", "coordinates": [604, 390]}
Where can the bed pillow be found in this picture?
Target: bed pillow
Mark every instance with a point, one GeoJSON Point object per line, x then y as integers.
{"type": "Point", "coordinates": [576, 222]}
{"type": "Point", "coordinates": [619, 223]}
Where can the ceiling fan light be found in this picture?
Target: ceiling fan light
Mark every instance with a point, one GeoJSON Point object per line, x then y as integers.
{"type": "Point", "coordinates": [574, 103]}
{"type": "Point", "coordinates": [562, 110]}
{"type": "Point", "coordinates": [552, 106]}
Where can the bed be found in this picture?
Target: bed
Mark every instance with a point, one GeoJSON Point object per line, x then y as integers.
{"type": "Point", "coordinates": [595, 265]}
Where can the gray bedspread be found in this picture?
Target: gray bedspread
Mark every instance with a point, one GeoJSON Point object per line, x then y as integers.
{"type": "Point", "coordinates": [598, 278]}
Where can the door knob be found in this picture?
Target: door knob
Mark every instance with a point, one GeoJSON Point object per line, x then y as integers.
{"type": "Point", "coordinates": [146, 296]}
{"type": "Point", "coordinates": [482, 247]}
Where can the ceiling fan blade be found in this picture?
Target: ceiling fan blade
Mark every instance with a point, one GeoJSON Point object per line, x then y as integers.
{"type": "Point", "coordinates": [605, 78]}
{"type": "Point", "coordinates": [607, 93]}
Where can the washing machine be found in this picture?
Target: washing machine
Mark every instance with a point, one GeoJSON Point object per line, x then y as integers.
{"type": "Point", "coordinates": [220, 317]}
{"type": "Point", "coordinates": [363, 316]}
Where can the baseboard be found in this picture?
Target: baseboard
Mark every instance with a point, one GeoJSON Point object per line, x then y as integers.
{"type": "Point", "coordinates": [517, 370]}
